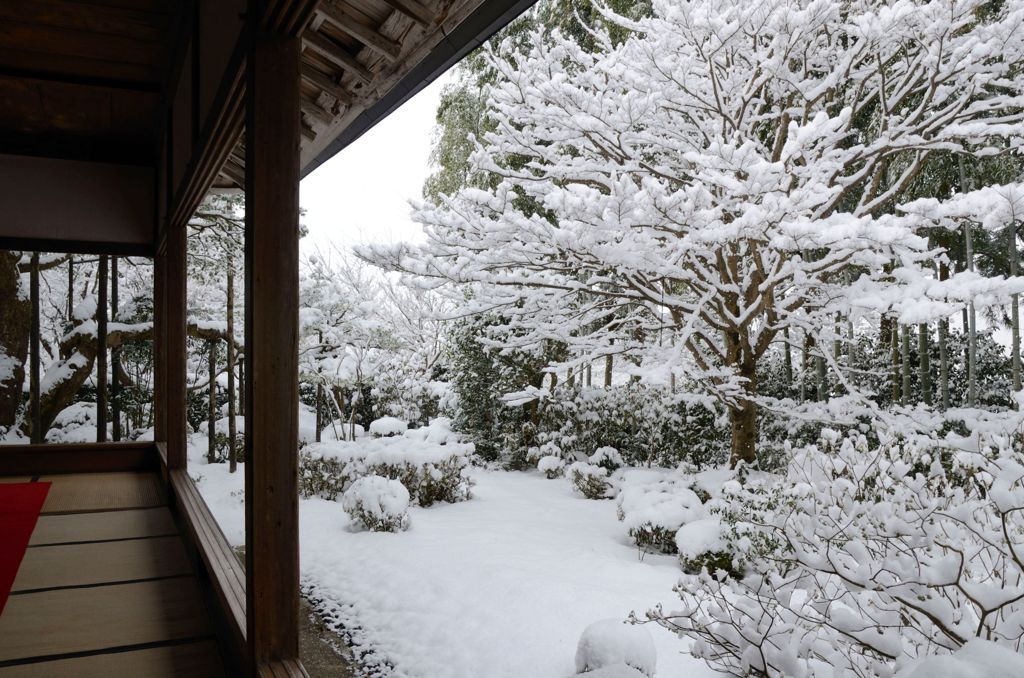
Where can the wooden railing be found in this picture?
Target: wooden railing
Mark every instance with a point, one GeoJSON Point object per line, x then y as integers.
{"type": "Point", "coordinates": [78, 458]}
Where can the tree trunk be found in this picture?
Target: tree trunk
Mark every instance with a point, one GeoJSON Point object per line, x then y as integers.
{"type": "Point", "coordinates": [71, 290]}
{"type": "Point", "coordinates": [894, 347]}
{"type": "Point", "coordinates": [115, 356]}
{"type": "Point", "coordinates": [788, 363]}
{"type": "Point", "coordinates": [972, 325]}
{"type": "Point", "coordinates": [211, 415]}
{"type": "Point", "coordinates": [607, 371]}
{"type": "Point", "coordinates": [319, 397]}
{"type": "Point", "coordinates": [905, 364]}
{"type": "Point", "coordinates": [924, 364]}
{"type": "Point", "coordinates": [588, 377]}
{"type": "Point", "coordinates": [943, 349]}
{"type": "Point", "coordinates": [1014, 313]}
{"type": "Point", "coordinates": [101, 355]}
{"type": "Point", "coordinates": [743, 419]}
{"type": "Point", "coordinates": [36, 419]}
{"type": "Point", "coordinates": [232, 432]}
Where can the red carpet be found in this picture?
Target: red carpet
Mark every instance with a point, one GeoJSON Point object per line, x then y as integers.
{"type": "Point", "coordinates": [20, 504]}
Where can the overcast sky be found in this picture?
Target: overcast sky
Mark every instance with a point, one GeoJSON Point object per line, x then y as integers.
{"type": "Point", "coordinates": [362, 194]}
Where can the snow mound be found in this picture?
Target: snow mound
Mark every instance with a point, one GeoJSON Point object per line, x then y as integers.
{"type": "Point", "coordinates": [700, 536]}
{"type": "Point", "coordinates": [608, 457]}
{"type": "Point", "coordinates": [551, 466]}
{"type": "Point", "coordinates": [977, 659]}
{"type": "Point", "coordinates": [610, 643]}
{"type": "Point", "coordinates": [438, 432]}
{"type": "Point", "coordinates": [388, 426]}
{"type": "Point", "coordinates": [378, 504]}
{"type": "Point", "coordinates": [667, 504]}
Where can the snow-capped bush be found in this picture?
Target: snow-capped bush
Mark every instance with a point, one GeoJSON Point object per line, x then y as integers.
{"type": "Point", "coordinates": [645, 424]}
{"type": "Point", "coordinates": [589, 480]}
{"type": "Point", "coordinates": [430, 471]}
{"type": "Point", "coordinates": [865, 558]}
{"type": "Point", "coordinates": [388, 426]}
{"type": "Point", "coordinates": [606, 457]}
{"type": "Point", "coordinates": [653, 512]}
{"type": "Point", "coordinates": [378, 504]}
{"type": "Point", "coordinates": [551, 466]}
{"type": "Point", "coordinates": [612, 642]}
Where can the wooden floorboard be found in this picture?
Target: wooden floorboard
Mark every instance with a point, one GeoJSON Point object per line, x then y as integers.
{"type": "Point", "coordinates": [102, 491]}
{"type": "Point", "coordinates": [189, 660]}
{"type": "Point", "coordinates": [101, 563]}
{"type": "Point", "coordinates": [83, 619]}
{"type": "Point", "coordinates": [105, 526]}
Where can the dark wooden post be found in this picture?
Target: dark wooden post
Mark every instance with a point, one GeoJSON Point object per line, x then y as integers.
{"type": "Point", "coordinates": [174, 303]}
{"type": "Point", "coordinates": [115, 357]}
{"type": "Point", "coordinates": [37, 427]}
{"type": "Point", "coordinates": [101, 354]}
{"type": "Point", "coordinates": [160, 346]}
{"type": "Point", "coordinates": [272, 137]}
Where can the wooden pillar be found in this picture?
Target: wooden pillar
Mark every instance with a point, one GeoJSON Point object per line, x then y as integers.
{"type": "Point", "coordinates": [169, 346]}
{"type": "Point", "coordinates": [115, 357]}
{"type": "Point", "coordinates": [175, 304]}
{"type": "Point", "coordinates": [159, 347]}
{"type": "Point", "coordinates": [272, 137]}
{"type": "Point", "coordinates": [101, 354]}
{"type": "Point", "coordinates": [34, 412]}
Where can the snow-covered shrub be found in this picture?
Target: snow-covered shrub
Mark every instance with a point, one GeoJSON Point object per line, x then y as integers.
{"type": "Point", "coordinates": [388, 426]}
{"type": "Point", "coordinates": [589, 480]}
{"type": "Point", "coordinates": [606, 457]}
{"type": "Point", "coordinates": [645, 424]}
{"type": "Point", "coordinates": [551, 466]}
{"type": "Point", "coordinates": [653, 512]}
{"type": "Point", "coordinates": [429, 462]}
{"type": "Point", "coordinates": [612, 642]}
{"type": "Point", "coordinates": [865, 558]}
{"type": "Point", "coordinates": [378, 504]}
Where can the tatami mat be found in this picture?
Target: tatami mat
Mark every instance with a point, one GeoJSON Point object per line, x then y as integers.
{"type": "Point", "coordinates": [194, 660]}
{"type": "Point", "coordinates": [81, 527]}
{"type": "Point", "coordinates": [83, 619]}
{"type": "Point", "coordinates": [101, 563]}
{"type": "Point", "coordinates": [102, 491]}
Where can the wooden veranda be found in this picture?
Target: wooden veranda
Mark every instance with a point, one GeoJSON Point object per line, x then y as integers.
{"type": "Point", "coordinates": [116, 118]}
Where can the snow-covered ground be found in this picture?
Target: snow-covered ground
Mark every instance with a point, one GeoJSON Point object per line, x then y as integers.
{"type": "Point", "coordinates": [500, 586]}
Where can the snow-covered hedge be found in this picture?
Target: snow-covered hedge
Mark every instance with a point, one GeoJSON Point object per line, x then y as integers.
{"type": "Point", "coordinates": [429, 462]}
{"type": "Point", "coordinates": [644, 424]}
{"type": "Point", "coordinates": [653, 512]}
{"type": "Point", "coordinates": [864, 558]}
{"type": "Point", "coordinates": [551, 466]}
{"type": "Point", "coordinates": [378, 504]}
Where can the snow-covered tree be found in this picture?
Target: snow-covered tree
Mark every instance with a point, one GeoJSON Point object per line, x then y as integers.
{"type": "Point", "coordinates": [713, 179]}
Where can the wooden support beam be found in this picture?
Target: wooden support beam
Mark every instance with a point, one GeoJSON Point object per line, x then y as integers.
{"type": "Point", "coordinates": [272, 129]}
{"type": "Point", "coordinates": [36, 419]}
{"type": "Point", "coordinates": [101, 353]}
{"type": "Point", "coordinates": [173, 354]}
{"type": "Point", "coordinates": [416, 11]}
{"type": "Point", "coordinates": [314, 110]}
{"type": "Point", "coordinates": [337, 55]}
{"type": "Point", "coordinates": [327, 84]}
{"type": "Point", "coordinates": [159, 347]}
{"type": "Point", "coordinates": [346, 20]}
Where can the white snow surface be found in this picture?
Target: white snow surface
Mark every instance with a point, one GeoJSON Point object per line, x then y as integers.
{"type": "Point", "coordinates": [499, 586]}
{"type": "Point", "coordinates": [976, 659]}
{"type": "Point", "coordinates": [610, 642]}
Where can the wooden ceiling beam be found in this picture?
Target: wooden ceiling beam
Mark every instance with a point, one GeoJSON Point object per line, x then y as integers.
{"type": "Point", "coordinates": [337, 55]}
{"type": "Point", "coordinates": [413, 9]}
{"type": "Point", "coordinates": [315, 110]}
{"type": "Point", "coordinates": [327, 84]}
{"type": "Point", "coordinates": [342, 17]}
